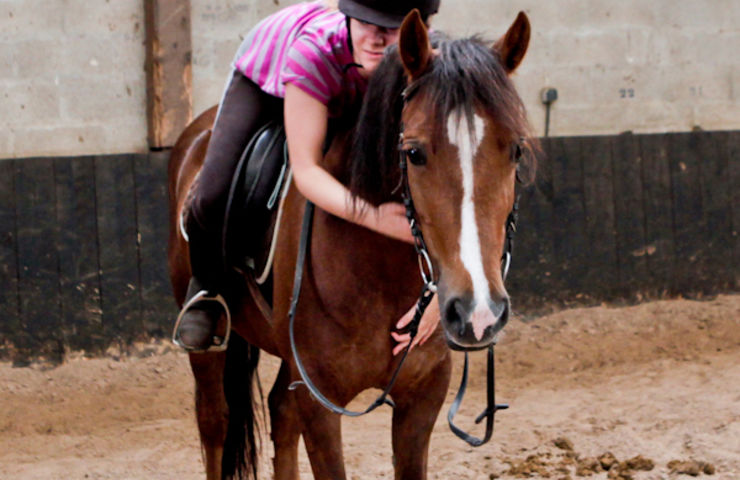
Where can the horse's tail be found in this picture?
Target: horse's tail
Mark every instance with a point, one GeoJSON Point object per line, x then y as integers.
{"type": "Point", "coordinates": [241, 448]}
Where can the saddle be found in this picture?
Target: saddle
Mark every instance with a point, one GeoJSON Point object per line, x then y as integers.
{"type": "Point", "coordinates": [260, 182]}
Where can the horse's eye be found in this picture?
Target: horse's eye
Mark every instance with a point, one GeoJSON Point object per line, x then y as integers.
{"type": "Point", "coordinates": [416, 156]}
{"type": "Point", "coordinates": [516, 152]}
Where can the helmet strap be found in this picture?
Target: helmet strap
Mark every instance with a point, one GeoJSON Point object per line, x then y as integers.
{"type": "Point", "coordinates": [351, 48]}
{"type": "Point", "coordinates": [349, 35]}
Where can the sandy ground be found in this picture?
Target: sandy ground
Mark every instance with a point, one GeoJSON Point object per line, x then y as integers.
{"type": "Point", "coordinates": [659, 380]}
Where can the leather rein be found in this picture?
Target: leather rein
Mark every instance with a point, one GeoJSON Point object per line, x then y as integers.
{"type": "Point", "coordinates": [429, 288]}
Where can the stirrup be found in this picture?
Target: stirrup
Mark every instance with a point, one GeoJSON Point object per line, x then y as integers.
{"type": "Point", "coordinates": [219, 343]}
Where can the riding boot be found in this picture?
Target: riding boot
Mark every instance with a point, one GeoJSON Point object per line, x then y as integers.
{"type": "Point", "coordinates": [199, 327]}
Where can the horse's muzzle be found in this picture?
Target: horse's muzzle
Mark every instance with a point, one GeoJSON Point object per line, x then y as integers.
{"type": "Point", "coordinates": [469, 326]}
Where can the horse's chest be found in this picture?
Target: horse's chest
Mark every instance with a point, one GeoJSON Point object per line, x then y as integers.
{"type": "Point", "coordinates": [356, 270]}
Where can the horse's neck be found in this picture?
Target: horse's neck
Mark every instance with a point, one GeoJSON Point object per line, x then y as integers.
{"type": "Point", "coordinates": [336, 159]}
{"type": "Point", "coordinates": [364, 272]}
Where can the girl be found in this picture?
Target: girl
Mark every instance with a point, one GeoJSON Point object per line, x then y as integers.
{"type": "Point", "coordinates": [302, 64]}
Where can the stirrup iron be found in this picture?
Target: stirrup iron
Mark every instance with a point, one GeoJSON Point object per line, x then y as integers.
{"type": "Point", "coordinates": [219, 343]}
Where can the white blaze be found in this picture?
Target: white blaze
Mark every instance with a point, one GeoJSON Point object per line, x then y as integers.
{"type": "Point", "coordinates": [467, 144]}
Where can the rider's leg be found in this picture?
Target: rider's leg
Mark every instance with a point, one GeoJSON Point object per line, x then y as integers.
{"type": "Point", "coordinates": [243, 110]}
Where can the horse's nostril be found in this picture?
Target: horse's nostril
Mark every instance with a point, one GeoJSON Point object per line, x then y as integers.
{"type": "Point", "coordinates": [455, 315]}
{"type": "Point", "coordinates": [504, 316]}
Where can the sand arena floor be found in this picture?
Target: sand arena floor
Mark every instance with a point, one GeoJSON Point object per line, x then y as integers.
{"type": "Point", "coordinates": [649, 384]}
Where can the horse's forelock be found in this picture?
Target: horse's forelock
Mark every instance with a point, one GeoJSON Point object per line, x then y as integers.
{"type": "Point", "coordinates": [469, 77]}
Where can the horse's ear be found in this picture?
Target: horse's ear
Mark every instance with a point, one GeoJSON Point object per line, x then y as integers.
{"type": "Point", "coordinates": [512, 46]}
{"type": "Point", "coordinates": [413, 45]}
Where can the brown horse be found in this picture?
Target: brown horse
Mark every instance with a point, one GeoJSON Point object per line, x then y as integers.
{"type": "Point", "coordinates": [460, 120]}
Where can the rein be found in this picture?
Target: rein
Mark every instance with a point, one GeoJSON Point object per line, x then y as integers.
{"type": "Point", "coordinates": [305, 379]}
{"type": "Point", "coordinates": [426, 269]}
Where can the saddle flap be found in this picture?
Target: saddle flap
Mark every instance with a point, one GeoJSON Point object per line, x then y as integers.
{"type": "Point", "coordinates": [250, 215]}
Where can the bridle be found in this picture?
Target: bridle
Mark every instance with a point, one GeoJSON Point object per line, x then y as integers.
{"type": "Point", "coordinates": [429, 288]}
{"type": "Point", "coordinates": [426, 269]}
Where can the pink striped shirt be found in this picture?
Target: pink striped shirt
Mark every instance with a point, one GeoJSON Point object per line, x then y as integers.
{"type": "Point", "coordinates": [305, 45]}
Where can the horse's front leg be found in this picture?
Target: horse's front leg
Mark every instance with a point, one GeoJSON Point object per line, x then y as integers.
{"type": "Point", "coordinates": [211, 408]}
{"type": "Point", "coordinates": [322, 434]}
{"type": "Point", "coordinates": [417, 407]}
{"type": "Point", "coordinates": [286, 427]}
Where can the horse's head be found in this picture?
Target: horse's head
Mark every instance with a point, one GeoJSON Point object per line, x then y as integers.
{"type": "Point", "coordinates": [463, 128]}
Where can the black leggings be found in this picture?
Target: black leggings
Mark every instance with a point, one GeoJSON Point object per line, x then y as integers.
{"type": "Point", "coordinates": [243, 110]}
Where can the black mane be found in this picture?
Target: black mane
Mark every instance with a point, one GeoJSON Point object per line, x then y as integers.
{"type": "Point", "coordinates": [466, 74]}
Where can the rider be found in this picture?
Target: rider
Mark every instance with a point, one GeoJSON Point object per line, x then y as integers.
{"type": "Point", "coordinates": [301, 64]}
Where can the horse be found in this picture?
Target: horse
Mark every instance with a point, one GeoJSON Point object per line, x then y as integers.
{"type": "Point", "coordinates": [461, 125]}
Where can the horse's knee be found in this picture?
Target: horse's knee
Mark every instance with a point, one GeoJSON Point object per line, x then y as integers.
{"type": "Point", "coordinates": [282, 414]}
{"type": "Point", "coordinates": [276, 407]}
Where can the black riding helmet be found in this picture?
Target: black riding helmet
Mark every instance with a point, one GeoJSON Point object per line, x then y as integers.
{"type": "Point", "coordinates": [386, 13]}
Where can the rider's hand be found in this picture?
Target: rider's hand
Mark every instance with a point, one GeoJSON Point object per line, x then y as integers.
{"type": "Point", "coordinates": [427, 325]}
{"type": "Point", "coordinates": [390, 220]}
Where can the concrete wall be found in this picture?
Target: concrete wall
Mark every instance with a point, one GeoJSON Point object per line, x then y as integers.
{"type": "Point", "coordinates": [645, 66]}
{"type": "Point", "coordinates": [73, 82]}
{"type": "Point", "coordinates": [72, 77]}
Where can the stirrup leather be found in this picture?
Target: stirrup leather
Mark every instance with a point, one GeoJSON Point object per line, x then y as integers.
{"type": "Point", "coordinates": [219, 343]}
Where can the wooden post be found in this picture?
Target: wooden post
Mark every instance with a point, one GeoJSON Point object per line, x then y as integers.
{"type": "Point", "coordinates": [169, 70]}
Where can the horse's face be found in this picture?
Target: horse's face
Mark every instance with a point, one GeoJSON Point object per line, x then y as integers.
{"type": "Point", "coordinates": [462, 180]}
{"type": "Point", "coordinates": [463, 190]}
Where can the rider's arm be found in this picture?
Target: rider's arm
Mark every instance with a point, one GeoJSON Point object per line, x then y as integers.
{"type": "Point", "coordinates": [305, 129]}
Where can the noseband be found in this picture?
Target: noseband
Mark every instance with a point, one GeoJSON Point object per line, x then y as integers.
{"type": "Point", "coordinates": [429, 288]}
